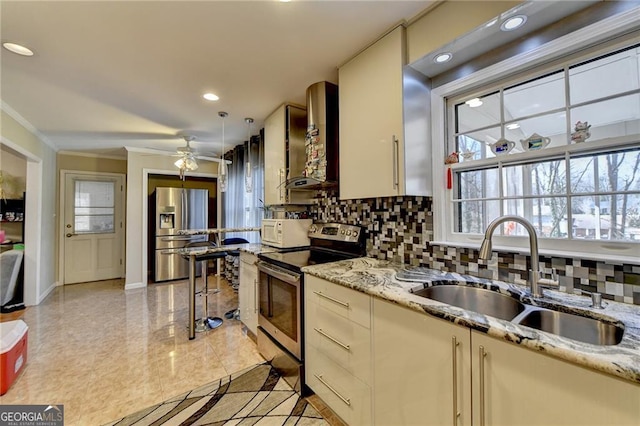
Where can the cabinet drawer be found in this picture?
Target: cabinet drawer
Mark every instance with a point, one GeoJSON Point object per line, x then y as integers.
{"type": "Point", "coordinates": [340, 300]}
{"type": "Point", "coordinates": [347, 396]}
{"type": "Point", "coordinates": [346, 343]}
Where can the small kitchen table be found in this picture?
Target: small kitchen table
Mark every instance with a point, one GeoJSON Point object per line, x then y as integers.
{"type": "Point", "coordinates": [195, 254]}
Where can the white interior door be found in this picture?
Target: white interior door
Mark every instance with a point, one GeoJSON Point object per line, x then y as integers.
{"type": "Point", "coordinates": [93, 229]}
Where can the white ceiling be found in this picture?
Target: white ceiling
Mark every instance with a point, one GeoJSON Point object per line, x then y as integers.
{"type": "Point", "coordinates": [108, 74]}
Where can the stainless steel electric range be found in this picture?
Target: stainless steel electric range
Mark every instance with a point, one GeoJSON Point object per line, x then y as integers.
{"type": "Point", "coordinates": [281, 294]}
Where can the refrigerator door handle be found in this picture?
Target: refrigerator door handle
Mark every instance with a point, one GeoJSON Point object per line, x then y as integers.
{"type": "Point", "coordinates": [185, 209]}
{"type": "Point", "coordinates": [170, 252]}
{"type": "Point", "coordinates": [187, 238]}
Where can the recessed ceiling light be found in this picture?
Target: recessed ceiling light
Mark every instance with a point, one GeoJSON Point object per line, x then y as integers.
{"type": "Point", "coordinates": [473, 103]}
{"type": "Point", "coordinates": [210, 97]}
{"type": "Point", "coordinates": [442, 57]}
{"type": "Point", "coordinates": [513, 23]}
{"type": "Point", "coordinates": [16, 48]}
{"type": "Point", "coordinates": [513, 126]}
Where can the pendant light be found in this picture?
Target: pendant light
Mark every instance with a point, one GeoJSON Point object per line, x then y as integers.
{"type": "Point", "coordinates": [222, 165]}
{"type": "Point", "coordinates": [248, 173]}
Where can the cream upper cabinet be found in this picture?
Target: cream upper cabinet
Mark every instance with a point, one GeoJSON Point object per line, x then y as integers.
{"type": "Point", "coordinates": [384, 123]}
{"type": "Point", "coordinates": [274, 159]}
{"type": "Point", "coordinates": [516, 386]}
{"type": "Point", "coordinates": [285, 156]}
{"type": "Point", "coordinates": [422, 369]}
{"type": "Point", "coordinates": [248, 292]}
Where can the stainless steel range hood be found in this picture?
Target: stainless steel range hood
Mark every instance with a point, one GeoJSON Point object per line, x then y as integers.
{"type": "Point", "coordinates": [321, 142]}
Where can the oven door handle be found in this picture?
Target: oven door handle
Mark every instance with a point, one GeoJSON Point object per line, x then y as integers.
{"type": "Point", "coordinates": [279, 273]}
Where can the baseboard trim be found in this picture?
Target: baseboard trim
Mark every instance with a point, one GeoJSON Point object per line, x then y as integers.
{"type": "Point", "coordinates": [132, 286]}
{"type": "Point", "coordinates": [47, 292]}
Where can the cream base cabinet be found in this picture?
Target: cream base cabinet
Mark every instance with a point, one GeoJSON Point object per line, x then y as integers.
{"type": "Point", "coordinates": [338, 348]}
{"type": "Point", "coordinates": [248, 292]}
{"type": "Point", "coordinates": [422, 373]}
{"type": "Point", "coordinates": [516, 386]}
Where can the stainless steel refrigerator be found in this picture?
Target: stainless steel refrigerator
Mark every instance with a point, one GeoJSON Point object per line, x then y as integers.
{"type": "Point", "coordinates": [177, 209]}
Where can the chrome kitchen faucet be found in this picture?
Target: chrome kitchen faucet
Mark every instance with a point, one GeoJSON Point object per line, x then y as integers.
{"type": "Point", "coordinates": [535, 282]}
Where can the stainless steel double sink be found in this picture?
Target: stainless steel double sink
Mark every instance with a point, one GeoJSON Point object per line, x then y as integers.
{"type": "Point", "coordinates": [487, 302]}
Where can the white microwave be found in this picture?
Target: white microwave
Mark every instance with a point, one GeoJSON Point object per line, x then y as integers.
{"type": "Point", "coordinates": [285, 233]}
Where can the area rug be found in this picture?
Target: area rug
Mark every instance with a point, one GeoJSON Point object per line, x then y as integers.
{"type": "Point", "coordinates": [255, 396]}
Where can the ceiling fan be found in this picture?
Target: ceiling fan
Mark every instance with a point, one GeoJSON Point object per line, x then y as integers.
{"type": "Point", "coordinates": [187, 156]}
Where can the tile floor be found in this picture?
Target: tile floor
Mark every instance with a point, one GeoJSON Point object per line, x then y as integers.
{"type": "Point", "coordinates": [104, 352]}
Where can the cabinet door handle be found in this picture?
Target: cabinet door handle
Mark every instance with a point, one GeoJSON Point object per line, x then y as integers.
{"type": "Point", "coordinates": [396, 160]}
{"type": "Point", "coordinates": [345, 400]}
{"type": "Point", "coordinates": [482, 355]}
{"type": "Point", "coordinates": [281, 184]}
{"type": "Point", "coordinates": [454, 357]}
{"type": "Point", "coordinates": [339, 302]}
{"type": "Point", "coordinates": [255, 290]}
{"type": "Point", "coordinates": [333, 339]}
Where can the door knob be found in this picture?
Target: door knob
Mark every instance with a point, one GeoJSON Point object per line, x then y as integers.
{"type": "Point", "coordinates": [69, 235]}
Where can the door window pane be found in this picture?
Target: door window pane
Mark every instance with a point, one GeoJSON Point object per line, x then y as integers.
{"type": "Point", "coordinates": [94, 210]}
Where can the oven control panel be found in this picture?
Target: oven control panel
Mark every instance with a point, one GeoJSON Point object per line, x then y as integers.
{"type": "Point", "coordinates": [336, 231]}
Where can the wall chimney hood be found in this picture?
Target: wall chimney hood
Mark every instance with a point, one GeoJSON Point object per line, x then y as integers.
{"type": "Point", "coordinates": [321, 142]}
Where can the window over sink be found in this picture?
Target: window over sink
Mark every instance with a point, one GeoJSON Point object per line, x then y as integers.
{"type": "Point", "coordinates": [558, 144]}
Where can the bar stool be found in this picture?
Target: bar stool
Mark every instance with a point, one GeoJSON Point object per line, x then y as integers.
{"type": "Point", "coordinates": [234, 313]}
{"type": "Point", "coordinates": [206, 322]}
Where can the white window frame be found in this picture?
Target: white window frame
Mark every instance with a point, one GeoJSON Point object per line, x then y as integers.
{"type": "Point", "coordinates": [628, 253]}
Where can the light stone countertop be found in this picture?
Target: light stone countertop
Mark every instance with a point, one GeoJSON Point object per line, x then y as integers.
{"type": "Point", "coordinates": [379, 279]}
{"type": "Point", "coordinates": [247, 248]}
{"type": "Point", "coordinates": [216, 231]}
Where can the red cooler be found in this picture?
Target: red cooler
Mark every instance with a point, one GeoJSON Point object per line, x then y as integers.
{"type": "Point", "coordinates": [13, 352]}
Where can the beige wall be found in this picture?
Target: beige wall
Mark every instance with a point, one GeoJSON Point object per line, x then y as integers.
{"type": "Point", "coordinates": [14, 172]}
{"type": "Point", "coordinates": [85, 163]}
{"type": "Point", "coordinates": [136, 239]}
{"type": "Point", "coordinates": [40, 210]}
{"type": "Point", "coordinates": [448, 21]}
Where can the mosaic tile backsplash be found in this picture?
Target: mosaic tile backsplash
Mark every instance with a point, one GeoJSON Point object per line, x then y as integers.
{"type": "Point", "coordinates": [401, 228]}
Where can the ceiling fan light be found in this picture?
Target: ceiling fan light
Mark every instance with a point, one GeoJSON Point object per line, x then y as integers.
{"type": "Point", "coordinates": [180, 163]}
{"type": "Point", "coordinates": [191, 163]}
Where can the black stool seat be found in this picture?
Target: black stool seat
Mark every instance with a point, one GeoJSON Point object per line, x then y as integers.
{"type": "Point", "coordinates": [232, 241]}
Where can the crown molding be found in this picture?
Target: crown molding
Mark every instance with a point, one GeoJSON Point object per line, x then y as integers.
{"type": "Point", "coordinates": [92, 155]}
{"type": "Point", "coordinates": [24, 123]}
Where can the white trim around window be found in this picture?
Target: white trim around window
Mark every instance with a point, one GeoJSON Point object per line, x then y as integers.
{"type": "Point", "coordinates": [442, 205]}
